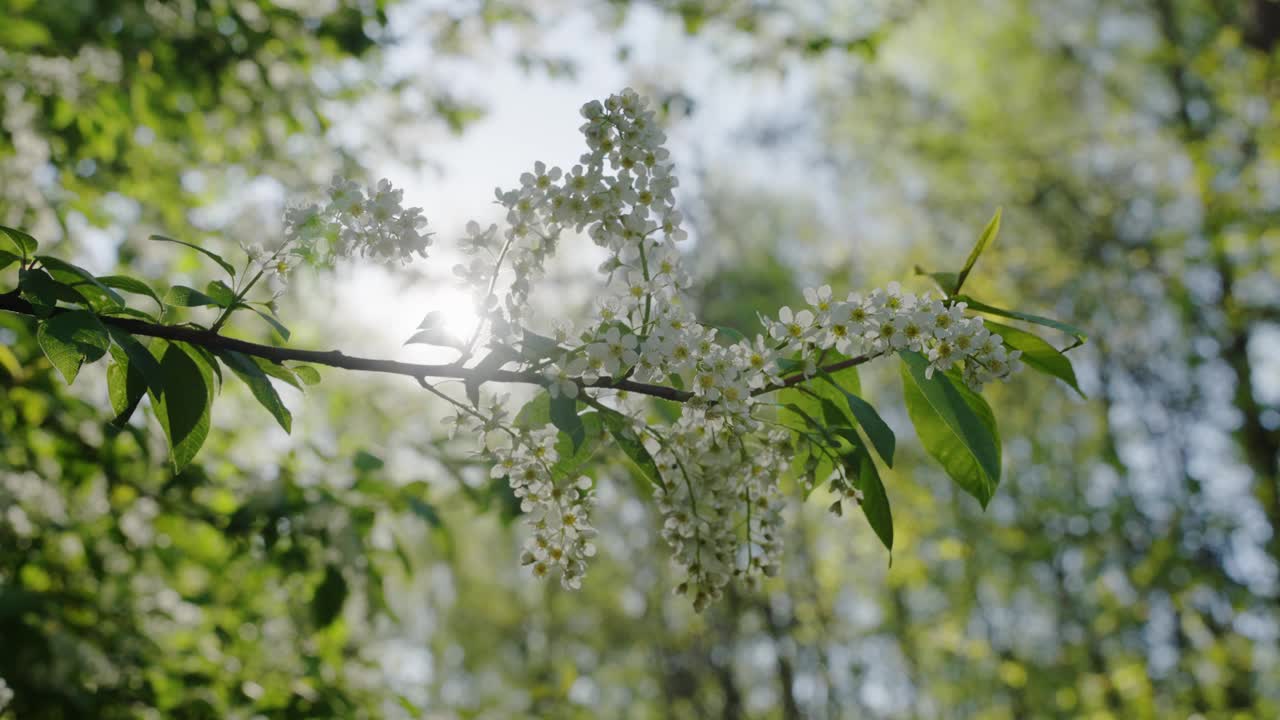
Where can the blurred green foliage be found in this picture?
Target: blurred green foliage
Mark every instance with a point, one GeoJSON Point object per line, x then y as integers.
{"type": "Point", "coordinates": [126, 97]}
{"type": "Point", "coordinates": [1128, 567]}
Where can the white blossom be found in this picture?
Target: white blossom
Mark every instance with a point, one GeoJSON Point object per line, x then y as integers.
{"type": "Point", "coordinates": [720, 462]}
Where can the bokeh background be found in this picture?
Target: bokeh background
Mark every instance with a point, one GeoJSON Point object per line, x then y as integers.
{"type": "Point", "coordinates": [1129, 566]}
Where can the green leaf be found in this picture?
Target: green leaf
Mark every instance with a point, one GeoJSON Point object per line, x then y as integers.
{"type": "Point", "coordinates": [845, 381]}
{"type": "Point", "coordinates": [849, 435]}
{"type": "Point", "coordinates": [877, 430]}
{"type": "Point", "coordinates": [834, 415]}
{"type": "Point", "coordinates": [734, 336]}
{"type": "Point", "coordinates": [274, 323]}
{"type": "Point", "coordinates": [306, 374]}
{"type": "Point", "coordinates": [807, 393]}
{"type": "Point", "coordinates": [209, 360]}
{"type": "Point", "coordinates": [875, 501]}
{"type": "Point", "coordinates": [564, 415]}
{"type": "Point", "coordinates": [988, 234]}
{"type": "Point", "coordinates": [571, 446]}
{"type": "Point", "coordinates": [365, 461]}
{"type": "Point", "coordinates": [795, 415]}
{"type": "Point", "coordinates": [183, 296]}
{"type": "Point", "coordinates": [632, 446]}
{"type": "Point", "coordinates": [23, 242]}
{"type": "Point", "coordinates": [219, 291]}
{"type": "Point", "coordinates": [259, 384]}
{"type": "Point", "coordinates": [40, 289]}
{"type": "Point", "coordinates": [133, 374]}
{"type": "Point", "coordinates": [58, 267]}
{"type": "Point", "coordinates": [535, 414]}
{"type": "Point", "coordinates": [536, 347]}
{"type": "Point", "coordinates": [130, 285]}
{"type": "Point", "coordinates": [216, 258]}
{"type": "Point", "coordinates": [185, 400]}
{"type": "Point", "coordinates": [278, 371]}
{"type": "Point", "coordinates": [811, 421]}
{"type": "Point", "coordinates": [436, 337]}
{"type": "Point", "coordinates": [1071, 330]}
{"type": "Point", "coordinates": [946, 281]}
{"type": "Point", "coordinates": [951, 428]}
{"type": "Point", "coordinates": [329, 597]}
{"type": "Point", "coordinates": [432, 331]}
{"type": "Point", "coordinates": [123, 397]}
{"type": "Point", "coordinates": [139, 355]}
{"type": "Point", "coordinates": [788, 366]}
{"type": "Point", "coordinates": [7, 258]}
{"type": "Point", "coordinates": [574, 457]}
{"type": "Point", "coordinates": [808, 472]}
{"type": "Point", "coordinates": [1038, 354]}
{"type": "Point", "coordinates": [130, 312]}
{"type": "Point", "coordinates": [810, 460]}
{"type": "Point", "coordinates": [69, 339]}
{"type": "Point", "coordinates": [803, 404]}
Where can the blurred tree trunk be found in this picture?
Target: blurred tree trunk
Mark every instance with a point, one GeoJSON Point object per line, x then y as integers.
{"type": "Point", "coordinates": [780, 634]}
{"type": "Point", "coordinates": [1261, 447]}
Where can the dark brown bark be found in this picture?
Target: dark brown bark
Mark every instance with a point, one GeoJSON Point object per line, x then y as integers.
{"type": "Point", "coordinates": [13, 302]}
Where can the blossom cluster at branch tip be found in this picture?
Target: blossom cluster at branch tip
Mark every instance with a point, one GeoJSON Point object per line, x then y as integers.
{"type": "Point", "coordinates": [558, 512]}
{"type": "Point", "coordinates": [354, 221]}
{"type": "Point", "coordinates": [889, 320]}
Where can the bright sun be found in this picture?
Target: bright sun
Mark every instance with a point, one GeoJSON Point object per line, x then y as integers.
{"type": "Point", "coordinates": [408, 304]}
{"type": "Point", "coordinates": [458, 311]}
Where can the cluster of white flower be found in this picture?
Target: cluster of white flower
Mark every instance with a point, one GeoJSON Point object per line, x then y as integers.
{"type": "Point", "coordinates": [621, 195]}
{"type": "Point", "coordinates": [621, 210]}
{"type": "Point", "coordinates": [889, 320]}
{"type": "Point", "coordinates": [558, 513]}
{"type": "Point", "coordinates": [373, 224]}
{"type": "Point", "coordinates": [719, 465]}
{"type": "Point", "coordinates": [716, 476]}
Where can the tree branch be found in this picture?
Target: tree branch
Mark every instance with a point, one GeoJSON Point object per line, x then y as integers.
{"type": "Point", "coordinates": [13, 302]}
{"type": "Point", "coordinates": [792, 380]}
